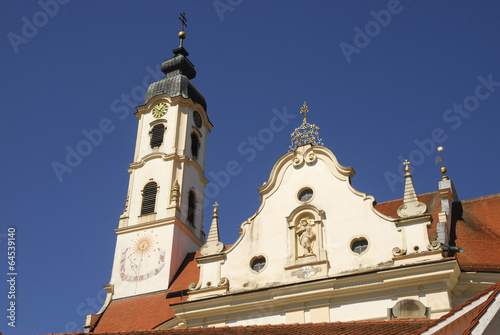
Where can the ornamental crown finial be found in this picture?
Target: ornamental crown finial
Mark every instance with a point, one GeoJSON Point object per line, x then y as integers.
{"type": "Point", "coordinates": [306, 133]}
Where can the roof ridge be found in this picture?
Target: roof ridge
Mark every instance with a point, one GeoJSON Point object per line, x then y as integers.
{"type": "Point", "coordinates": [483, 309]}
{"type": "Point", "coordinates": [461, 306]}
{"type": "Point", "coordinates": [481, 198]}
{"type": "Point", "coordinates": [401, 199]}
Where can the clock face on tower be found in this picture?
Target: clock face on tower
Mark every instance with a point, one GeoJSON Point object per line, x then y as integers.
{"type": "Point", "coordinates": [160, 109]}
{"type": "Point", "coordinates": [143, 258]}
{"type": "Point", "coordinates": [197, 119]}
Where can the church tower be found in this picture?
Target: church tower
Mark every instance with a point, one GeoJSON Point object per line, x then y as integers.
{"type": "Point", "coordinates": [163, 216]}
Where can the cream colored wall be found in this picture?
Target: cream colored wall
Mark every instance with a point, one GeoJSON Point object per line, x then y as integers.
{"type": "Point", "coordinates": [165, 234]}
{"type": "Point", "coordinates": [161, 173]}
{"type": "Point", "coordinates": [191, 174]}
{"type": "Point", "coordinates": [351, 286]}
{"type": "Point", "coordinates": [346, 216]}
{"type": "Point", "coordinates": [183, 245]}
{"type": "Point", "coordinates": [363, 296]}
{"type": "Point", "coordinates": [259, 320]}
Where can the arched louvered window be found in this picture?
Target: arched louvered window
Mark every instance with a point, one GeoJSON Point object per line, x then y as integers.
{"type": "Point", "coordinates": [149, 198]}
{"type": "Point", "coordinates": [157, 135]}
{"type": "Point", "coordinates": [195, 145]}
{"type": "Point", "coordinates": [191, 206]}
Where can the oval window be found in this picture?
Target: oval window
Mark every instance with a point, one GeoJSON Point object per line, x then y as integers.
{"type": "Point", "coordinates": [305, 195]}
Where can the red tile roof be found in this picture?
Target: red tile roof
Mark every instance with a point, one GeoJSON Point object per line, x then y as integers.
{"type": "Point", "coordinates": [432, 200]}
{"type": "Point", "coordinates": [122, 315]}
{"type": "Point", "coordinates": [478, 232]}
{"type": "Point", "coordinates": [496, 290]}
{"type": "Point", "coordinates": [475, 222]}
{"type": "Point", "coordinates": [392, 327]}
{"type": "Point", "coordinates": [484, 306]}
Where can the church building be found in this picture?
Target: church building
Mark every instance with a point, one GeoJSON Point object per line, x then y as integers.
{"type": "Point", "coordinates": [316, 256]}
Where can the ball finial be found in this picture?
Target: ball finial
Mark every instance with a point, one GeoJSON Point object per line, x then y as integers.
{"type": "Point", "coordinates": [407, 168]}
{"type": "Point", "coordinates": [182, 34]}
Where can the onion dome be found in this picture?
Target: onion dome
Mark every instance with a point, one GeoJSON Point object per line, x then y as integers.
{"type": "Point", "coordinates": [178, 73]}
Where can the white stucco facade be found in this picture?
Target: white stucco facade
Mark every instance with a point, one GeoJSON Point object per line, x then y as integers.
{"type": "Point", "coordinates": [329, 254]}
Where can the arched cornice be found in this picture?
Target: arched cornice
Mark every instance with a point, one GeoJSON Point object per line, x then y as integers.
{"type": "Point", "coordinates": [158, 121]}
{"type": "Point", "coordinates": [179, 100]}
{"type": "Point", "coordinates": [175, 157]}
{"type": "Point", "coordinates": [196, 131]}
{"type": "Point", "coordinates": [308, 155]}
{"type": "Point", "coordinates": [243, 231]}
{"type": "Point", "coordinates": [147, 107]}
{"type": "Point", "coordinates": [188, 162]}
{"type": "Point", "coordinates": [305, 208]}
{"type": "Point", "coordinates": [148, 157]}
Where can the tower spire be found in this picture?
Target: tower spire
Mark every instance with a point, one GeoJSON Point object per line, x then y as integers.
{"type": "Point", "coordinates": [411, 206]}
{"type": "Point", "coordinates": [213, 245]}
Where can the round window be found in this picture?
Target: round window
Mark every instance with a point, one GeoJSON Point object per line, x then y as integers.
{"type": "Point", "coordinates": [359, 245]}
{"type": "Point", "coordinates": [258, 263]}
{"type": "Point", "coordinates": [305, 194]}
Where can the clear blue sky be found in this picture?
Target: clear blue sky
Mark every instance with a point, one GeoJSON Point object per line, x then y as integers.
{"type": "Point", "coordinates": [379, 87]}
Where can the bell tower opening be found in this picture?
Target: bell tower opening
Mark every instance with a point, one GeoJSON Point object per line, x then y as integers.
{"type": "Point", "coordinates": [156, 134]}
{"type": "Point", "coordinates": [149, 198]}
{"type": "Point", "coordinates": [191, 207]}
{"type": "Point", "coordinates": [195, 145]}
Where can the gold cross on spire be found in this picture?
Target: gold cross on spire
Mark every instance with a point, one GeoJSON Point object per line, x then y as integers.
{"type": "Point", "coordinates": [406, 162]}
{"type": "Point", "coordinates": [216, 210]}
{"type": "Point", "coordinates": [182, 34]}
{"type": "Point", "coordinates": [183, 19]}
{"type": "Point", "coordinates": [304, 111]}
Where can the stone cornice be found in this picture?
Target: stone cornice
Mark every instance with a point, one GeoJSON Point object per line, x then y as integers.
{"type": "Point", "coordinates": [168, 157]}
{"type": "Point", "coordinates": [142, 162]}
{"type": "Point", "coordinates": [309, 154]}
{"type": "Point", "coordinates": [210, 258]}
{"type": "Point", "coordinates": [413, 219]}
{"type": "Point", "coordinates": [330, 291]}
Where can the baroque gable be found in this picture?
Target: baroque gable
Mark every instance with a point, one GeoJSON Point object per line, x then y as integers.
{"type": "Point", "coordinates": [311, 224]}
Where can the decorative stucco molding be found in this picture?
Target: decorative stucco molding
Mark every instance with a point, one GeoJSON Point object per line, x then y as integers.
{"type": "Point", "coordinates": [411, 206]}
{"type": "Point", "coordinates": [434, 245]}
{"type": "Point", "coordinates": [212, 257]}
{"type": "Point", "coordinates": [307, 254]}
{"type": "Point", "coordinates": [397, 251]}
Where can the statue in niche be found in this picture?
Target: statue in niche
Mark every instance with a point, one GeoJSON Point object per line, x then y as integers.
{"type": "Point", "coordinates": [175, 192]}
{"type": "Point", "coordinates": [306, 235]}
